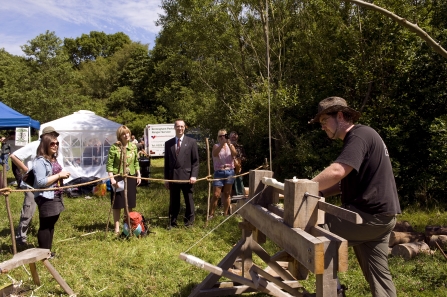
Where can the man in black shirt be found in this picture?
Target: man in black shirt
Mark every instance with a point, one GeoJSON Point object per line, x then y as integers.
{"type": "Point", "coordinates": [363, 175]}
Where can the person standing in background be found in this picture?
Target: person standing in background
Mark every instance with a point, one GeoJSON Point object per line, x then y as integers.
{"type": "Point", "coordinates": [22, 162]}
{"type": "Point", "coordinates": [116, 166]}
{"type": "Point", "coordinates": [181, 163]}
{"type": "Point", "coordinates": [223, 162]}
{"type": "Point", "coordinates": [48, 174]}
{"type": "Point", "coordinates": [240, 158]}
{"type": "Point", "coordinates": [4, 153]}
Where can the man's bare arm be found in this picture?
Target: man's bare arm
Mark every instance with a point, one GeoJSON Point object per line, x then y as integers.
{"type": "Point", "coordinates": [332, 175]}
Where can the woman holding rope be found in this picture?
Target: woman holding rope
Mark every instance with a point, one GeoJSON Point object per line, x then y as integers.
{"type": "Point", "coordinates": [48, 174]}
{"type": "Point", "coordinates": [123, 159]}
{"type": "Point", "coordinates": [224, 153]}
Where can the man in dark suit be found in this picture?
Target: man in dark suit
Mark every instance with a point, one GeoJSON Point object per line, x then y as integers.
{"type": "Point", "coordinates": [181, 163]}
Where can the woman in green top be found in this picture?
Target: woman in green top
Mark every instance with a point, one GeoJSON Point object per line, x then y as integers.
{"type": "Point", "coordinates": [125, 150]}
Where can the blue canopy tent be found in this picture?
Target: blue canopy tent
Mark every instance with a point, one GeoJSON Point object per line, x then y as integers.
{"type": "Point", "coordinates": [9, 118]}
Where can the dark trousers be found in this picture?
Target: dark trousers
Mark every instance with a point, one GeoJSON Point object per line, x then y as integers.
{"type": "Point", "coordinates": [28, 210]}
{"type": "Point", "coordinates": [46, 231]}
{"type": "Point", "coordinates": [238, 186]}
{"type": "Point", "coordinates": [370, 241]}
{"type": "Point", "coordinates": [174, 203]}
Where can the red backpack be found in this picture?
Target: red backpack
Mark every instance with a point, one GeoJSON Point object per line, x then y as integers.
{"type": "Point", "coordinates": [137, 224]}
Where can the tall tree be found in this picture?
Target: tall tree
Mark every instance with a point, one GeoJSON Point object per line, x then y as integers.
{"type": "Point", "coordinates": [91, 46]}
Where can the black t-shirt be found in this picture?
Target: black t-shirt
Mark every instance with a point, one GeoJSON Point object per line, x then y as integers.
{"type": "Point", "coordinates": [370, 186]}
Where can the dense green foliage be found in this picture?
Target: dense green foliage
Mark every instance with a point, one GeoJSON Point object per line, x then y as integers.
{"type": "Point", "coordinates": [210, 66]}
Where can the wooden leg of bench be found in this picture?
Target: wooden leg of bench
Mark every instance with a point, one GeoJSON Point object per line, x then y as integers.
{"type": "Point", "coordinates": [36, 280]}
{"type": "Point", "coordinates": [58, 277]}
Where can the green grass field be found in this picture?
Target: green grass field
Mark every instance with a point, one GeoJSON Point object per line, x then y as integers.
{"type": "Point", "coordinates": [99, 264]}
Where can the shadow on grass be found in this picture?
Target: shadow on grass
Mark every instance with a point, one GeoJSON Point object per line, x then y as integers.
{"type": "Point", "coordinates": [93, 227]}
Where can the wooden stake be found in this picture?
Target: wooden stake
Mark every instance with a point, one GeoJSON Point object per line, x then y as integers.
{"type": "Point", "coordinates": [209, 183]}
{"type": "Point", "coordinates": [8, 209]}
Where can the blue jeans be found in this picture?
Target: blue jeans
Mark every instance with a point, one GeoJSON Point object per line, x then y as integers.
{"type": "Point", "coordinates": [4, 161]}
{"type": "Point", "coordinates": [223, 174]}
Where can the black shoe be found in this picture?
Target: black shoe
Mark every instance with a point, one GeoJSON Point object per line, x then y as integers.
{"type": "Point", "coordinates": [341, 291]}
{"type": "Point", "coordinates": [21, 242]}
{"type": "Point", "coordinates": [173, 225]}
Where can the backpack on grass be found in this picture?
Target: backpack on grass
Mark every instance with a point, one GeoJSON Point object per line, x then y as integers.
{"type": "Point", "coordinates": [137, 224]}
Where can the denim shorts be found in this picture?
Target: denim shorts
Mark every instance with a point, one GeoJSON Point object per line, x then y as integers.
{"type": "Point", "coordinates": [223, 174]}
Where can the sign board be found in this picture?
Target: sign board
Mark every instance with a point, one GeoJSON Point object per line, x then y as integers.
{"type": "Point", "coordinates": [21, 138]}
{"type": "Point", "coordinates": [155, 136]}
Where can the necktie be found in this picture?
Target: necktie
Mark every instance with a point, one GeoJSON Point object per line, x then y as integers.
{"type": "Point", "coordinates": [178, 147]}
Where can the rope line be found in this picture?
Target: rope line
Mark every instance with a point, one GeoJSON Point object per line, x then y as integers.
{"type": "Point", "coordinates": [226, 219]}
{"type": "Point", "coordinates": [8, 190]}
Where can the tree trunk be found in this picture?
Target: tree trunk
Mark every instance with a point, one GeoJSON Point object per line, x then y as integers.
{"type": "Point", "coordinates": [405, 237]}
{"type": "Point", "coordinates": [403, 226]}
{"type": "Point", "coordinates": [435, 230]}
{"type": "Point", "coordinates": [410, 250]}
{"type": "Point", "coordinates": [440, 239]}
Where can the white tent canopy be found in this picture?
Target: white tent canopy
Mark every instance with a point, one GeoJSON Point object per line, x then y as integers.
{"type": "Point", "coordinates": [85, 139]}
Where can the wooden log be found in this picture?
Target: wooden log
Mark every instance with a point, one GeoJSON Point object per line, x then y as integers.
{"type": "Point", "coordinates": [403, 226]}
{"type": "Point", "coordinates": [440, 239]}
{"type": "Point", "coordinates": [410, 250]}
{"type": "Point", "coordinates": [405, 237]}
{"type": "Point", "coordinates": [435, 230]}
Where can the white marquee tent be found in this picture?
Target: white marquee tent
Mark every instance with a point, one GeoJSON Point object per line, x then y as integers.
{"type": "Point", "coordinates": [85, 139]}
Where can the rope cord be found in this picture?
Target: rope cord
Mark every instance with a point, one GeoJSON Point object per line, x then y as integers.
{"type": "Point", "coordinates": [226, 219]}
{"type": "Point", "coordinates": [8, 190]}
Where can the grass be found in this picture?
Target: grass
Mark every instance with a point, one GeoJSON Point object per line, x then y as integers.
{"type": "Point", "coordinates": [99, 264]}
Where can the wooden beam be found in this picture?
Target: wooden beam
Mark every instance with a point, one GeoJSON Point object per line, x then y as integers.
{"type": "Point", "coordinates": [58, 277]}
{"type": "Point", "coordinates": [326, 282]}
{"type": "Point", "coordinates": [225, 263]}
{"type": "Point", "coordinates": [26, 257]}
{"type": "Point", "coordinates": [258, 250]}
{"type": "Point", "coordinates": [221, 272]}
{"type": "Point", "coordinates": [281, 256]}
{"type": "Point", "coordinates": [342, 246]}
{"type": "Point", "coordinates": [225, 291]}
{"type": "Point", "coordinates": [273, 288]}
{"type": "Point", "coordinates": [257, 186]}
{"type": "Point", "coordinates": [300, 211]}
{"type": "Point", "coordinates": [34, 274]}
{"type": "Point", "coordinates": [342, 213]}
{"type": "Point", "coordinates": [276, 210]}
{"type": "Point", "coordinates": [279, 283]}
{"type": "Point", "coordinates": [305, 248]}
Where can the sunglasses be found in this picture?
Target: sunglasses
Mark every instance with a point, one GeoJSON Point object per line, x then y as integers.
{"type": "Point", "coordinates": [221, 135]}
{"type": "Point", "coordinates": [54, 143]}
